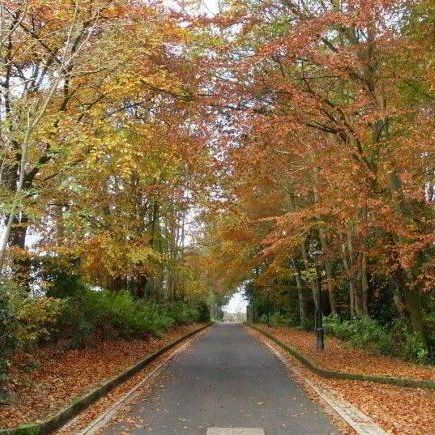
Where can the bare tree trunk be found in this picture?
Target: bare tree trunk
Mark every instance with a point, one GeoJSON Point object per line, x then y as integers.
{"type": "Point", "coordinates": [17, 240]}
{"type": "Point", "coordinates": [329, 277]}
{"type": "Point", "coordinates": [303, 312]}
{"type": "Point", "coordinates": [155, 210]}
{"type": "Point", "coordinates": [364, 284]}
{"type": "Point", "coordinates": [359, 304]}
{"type": "Point", "coordinates": [313, 281]}
{"type": "Point", "coordinates": [60, 225]}
{"type": "Point", "coordinates": [350, 282]}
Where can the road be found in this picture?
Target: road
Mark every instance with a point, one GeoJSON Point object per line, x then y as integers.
{"type": "Point", "coordinates": [225, 379]}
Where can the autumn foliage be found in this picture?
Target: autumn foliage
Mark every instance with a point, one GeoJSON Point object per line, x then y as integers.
{"type": "Point", "coordinates": [156, 154]}
{"type": "Point", "coordinates": [330, 161]}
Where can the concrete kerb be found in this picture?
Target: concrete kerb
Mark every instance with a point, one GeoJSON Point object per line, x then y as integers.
{"type": "Point", "coordinates": [62, 417]}
{"type": "Point", "coordinates": [331, 374]}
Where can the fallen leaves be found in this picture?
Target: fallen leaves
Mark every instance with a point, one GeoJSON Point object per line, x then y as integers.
{"type": "Point", "coordinates": [60, 376]}
{"type": "Point", "coordinates": [339, 356]}
{"type": "Point", "coordinates": [397, 410]}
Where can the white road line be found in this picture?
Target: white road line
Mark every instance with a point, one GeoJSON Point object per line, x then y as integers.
{"type": "Point", "coordinates": [235, 431]}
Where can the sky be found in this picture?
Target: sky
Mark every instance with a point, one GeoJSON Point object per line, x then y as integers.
{"type": "Point", "coordinates": [237, 303]}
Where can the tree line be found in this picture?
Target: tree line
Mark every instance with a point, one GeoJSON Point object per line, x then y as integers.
{"type": "Point", "coordinates": [332, 158]}
{"type": "Point", "coordinates": [160, 154]}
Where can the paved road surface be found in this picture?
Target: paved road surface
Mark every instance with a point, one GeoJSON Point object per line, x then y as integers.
{"type": "Point", "coordinates": [225, 379]}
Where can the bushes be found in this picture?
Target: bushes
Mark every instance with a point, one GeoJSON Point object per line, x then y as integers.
{"type": "Point", "coordinates": [406, 343]}
{"type": "Point", "coordinates": [24, 323]}
{"type": "Point", "coordinates": [36, 319]}
{"type": "Point", "coordinates": [366, 333]}
{"type": "Point", "coordinates": [119, 315]}
{"type": "Point", "coordinates": [279, 319]}
{"type": "Point", "coordinates": [182, 314]}
{"type": "Point", "coordinates": [108, 314]}
{"type": "Point", "coordinates": [203, 312]}
{"type": "Point", "coordinates": [27, 321]}
{"type": "Point", "coordinates": [7, 342]}
{"type": "Point", "coordinates": [75, 313]}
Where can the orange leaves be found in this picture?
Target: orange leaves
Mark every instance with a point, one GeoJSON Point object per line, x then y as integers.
{"type": "Point", "coordinates": [340, 356]}
{"type": "Point", "coordinates": [335, 137]}
{"type": "Point", "coordinates": [398, 410]}
{"type": "Point", "coordinates": [52, 378]}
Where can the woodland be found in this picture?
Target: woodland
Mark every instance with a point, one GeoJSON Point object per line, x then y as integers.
{"type": "Point", "coordinates": [157, 156]}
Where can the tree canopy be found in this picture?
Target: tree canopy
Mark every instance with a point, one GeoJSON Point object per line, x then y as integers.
{"type": "Point", "coordinates": [157, 149]}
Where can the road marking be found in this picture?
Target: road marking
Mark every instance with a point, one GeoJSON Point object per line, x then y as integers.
{"type": "Point", "coordinates": [235, 431]}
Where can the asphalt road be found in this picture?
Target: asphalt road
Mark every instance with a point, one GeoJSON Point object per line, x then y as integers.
{"type": "Point", "coordinates": [225, 379]}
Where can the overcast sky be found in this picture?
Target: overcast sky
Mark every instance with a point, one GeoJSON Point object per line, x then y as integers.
{"type": "Point", "coordinates": [237, 303]}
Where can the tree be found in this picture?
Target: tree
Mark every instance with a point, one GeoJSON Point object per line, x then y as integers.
{"type": "Point", "coordinates": [328, 87]}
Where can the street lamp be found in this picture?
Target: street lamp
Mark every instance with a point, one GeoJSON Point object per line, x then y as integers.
{"type": "Point", "coordinates": [318, 326]}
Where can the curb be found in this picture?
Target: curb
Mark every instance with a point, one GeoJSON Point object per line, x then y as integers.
{"type": "Point", "coordinates": [66, 414]}
{"type": "Point", "coordinates": [331, 374]}
{"type": "Point", "coordinates": [99, 422]}
{"type": "Point", "coordinates": [361, 423]}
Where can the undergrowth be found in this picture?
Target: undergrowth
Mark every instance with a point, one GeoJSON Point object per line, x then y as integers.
{"type": "Point", "coordinates": [395, 339]}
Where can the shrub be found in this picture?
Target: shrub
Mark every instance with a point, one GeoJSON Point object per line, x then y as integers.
{"type": "Point", "coordinates": [283, 319]}
{"type": "Point", "coordinates": [394, 340]}
{"type": "Point", "coordinates": [364, 333]}
{"type": "Point", "coordinates": [414, 348]}
{"type": "Point", "coordinates": [408, 344]}
{"type": "Point", "coordinates": [25, 321]}
{"type": "Point", "coordinates": [60, 276]}
{"type": "Point", "coordinates": [203, 312]}
{"type": "Point", "coordinates": [182, 313]}
{"type": "Point", "coordinates": [263, 319]}
{"type": "Point", "coordinates": [36, 319]}
{"type": "Point", "coordinates": [7, 341]}
{"type": "Point", "coordinates": [120, 315]}
{"type": "Point", "coordinates": [113, 315]}
{"type": "Point", "coordinates": [279, 319]}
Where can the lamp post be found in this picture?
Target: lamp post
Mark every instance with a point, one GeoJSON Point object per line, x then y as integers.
{"type": "Point", "coordinates": [318, 327]}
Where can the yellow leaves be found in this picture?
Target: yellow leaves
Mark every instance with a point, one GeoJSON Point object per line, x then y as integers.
{"type": "Point", "coordinates": [107, 257]}
{"type": "Point", "coordinates": [142, 254]}
{"type": "Point", "coordinates": [36, 317]}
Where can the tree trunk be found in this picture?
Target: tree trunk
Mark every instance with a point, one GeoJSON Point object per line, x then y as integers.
{"type": "Point", "coordinates": [350, 282]}
{"type": "Point", "coordinates": [139, 287]}
{"type": "Point", "coordinates": [359, 298]}
{"type": "Point", "coordinates": [364, 284]}
{"type": "Point", "coordinates": [414, 309]}
{"type": "Point", "coordinates": [17, 242]}
{"type": "Point", "coordinates": [329, 277]}
{"type": "Point", "coordinates": [303, 312]}
{"type": "Point", "coordinates": [60, 225]}
{"type": "Point", "coordinates": [411, 294]}
{"type": "Point", "coordinates": [313, 281]}
{"type": "Point", "coordinates": [413, 304]}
